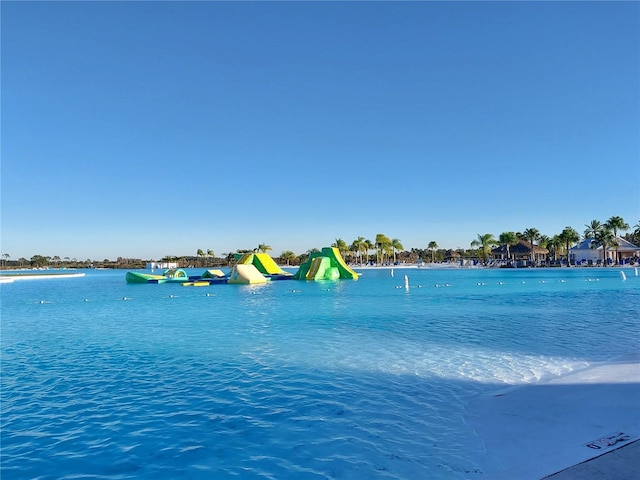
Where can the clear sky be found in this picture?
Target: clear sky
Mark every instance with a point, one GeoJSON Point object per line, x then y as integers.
{"type": "Point", "coordinates": [145, 129]}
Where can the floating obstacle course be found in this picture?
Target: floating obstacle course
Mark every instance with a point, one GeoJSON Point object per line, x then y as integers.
{"type": "Point", "coordinates": [256, 268]}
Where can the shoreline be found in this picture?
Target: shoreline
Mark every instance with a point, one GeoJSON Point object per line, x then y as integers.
{"type": "Point", "coordinates": [436, 266]}
{"type": "Point", "coordinates": [9, 278]}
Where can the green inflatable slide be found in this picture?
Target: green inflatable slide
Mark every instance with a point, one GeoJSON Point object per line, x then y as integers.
{"type": "Point", "coordinates": [325, 265]}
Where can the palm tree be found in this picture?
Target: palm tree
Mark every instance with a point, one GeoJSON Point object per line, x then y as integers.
{"type": "Point", "coordinates": [358, 246]}
{"type": "Point", "coordinates": [200, 254]}
{"type": "Point", "coordinates": [396, 246]}
{"type": "Point", "coordinates": [211, 253]}
{"type": "Point", "coordinates": [263, 248]}
{"type": "Point", "coordinates": [555, 243]}
{"type": "Point", "coordinates": [484, 242]}
{"type": "Point", "coordinates": [382, 244]}
{"type": "Point", "coordinates": [287, 256]}
{"type": "Point", "coordinates": [634, 236]}
{"type": "Point", "coordinates": [615, 224]}
{"type": "Point", "coordinates": [544, 241]}
{"type": "Point", "coordinates": [507, 239]}
{"type": "Point", "coordinates": [569, 236]}
{"type": "Point", "coordinates": [532, 235]}
{"type": "Point", "coordinates": [604, 238]}
{"type": "Point", "coordinates": [433, 246]}
{"type": "Point", "coordinates": [341, 245]}
{"type": "Point", "coordinates": [6, 258]}
{"type": "Point", "coordinates": [229, 257]}
{"type": "Point", "coordinates": [367, 247]}
{"type": "Point", "coordinates": [592, 229]}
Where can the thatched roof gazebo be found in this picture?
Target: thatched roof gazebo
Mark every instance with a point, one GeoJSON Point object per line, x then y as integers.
{"type": "Point", "coordinates": [520, 251]}
{"type": "Point", "coordinates": [451, 255]}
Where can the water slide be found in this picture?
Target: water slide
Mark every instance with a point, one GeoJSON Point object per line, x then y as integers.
{"type": "Point", "coordinates": [321, 269]}
{"type": "Point", "coordinates": [266, 264]}
{"type": "Point", "coordinates": [343, 268]}
{"type": "Point", "coordinates": [263, 262]}
{"type": "Point", "coordinates": [325, 265]}
{"type": "Point", "coordinates": [246, 274]}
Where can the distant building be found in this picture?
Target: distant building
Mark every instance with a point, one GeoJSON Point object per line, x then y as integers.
{"type": "Point", "coordinates": [161, 265]}
{"type": "Point", "coordinates": [588, 252]}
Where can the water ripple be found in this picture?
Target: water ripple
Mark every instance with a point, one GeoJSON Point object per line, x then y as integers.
{"type": "Point", "coordinates": [352, 381]}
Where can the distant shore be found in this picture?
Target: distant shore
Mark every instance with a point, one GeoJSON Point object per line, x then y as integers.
{"type": "Point", "coordinates": [36, 275]}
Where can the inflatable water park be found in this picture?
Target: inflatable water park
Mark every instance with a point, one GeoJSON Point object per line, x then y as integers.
{"type": "Point", "coordinates": [256, 268]}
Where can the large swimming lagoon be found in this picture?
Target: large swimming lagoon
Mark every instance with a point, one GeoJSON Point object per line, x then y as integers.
{"type": "Point", "coordinates": [291, 379]}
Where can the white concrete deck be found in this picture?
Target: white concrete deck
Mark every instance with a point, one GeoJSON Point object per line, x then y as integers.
{"type": "Point", "coordinates": [621, 464]}
{"type": "Point", "coordinates": [535, 431]}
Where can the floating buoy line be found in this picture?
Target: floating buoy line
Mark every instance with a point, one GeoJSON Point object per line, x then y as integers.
{"type": "Point", "coordinates": [406, 286]}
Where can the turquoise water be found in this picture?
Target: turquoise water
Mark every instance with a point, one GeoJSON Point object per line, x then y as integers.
{"type": "Point", "coordinates": [345, 380]}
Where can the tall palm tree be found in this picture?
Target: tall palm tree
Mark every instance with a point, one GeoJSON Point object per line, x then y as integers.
{"type": "Point", "coordinates": [615, 224]}
{"type": "Point", "coordinates": [367, 247]}
{"type": "Point", "coordinates": [604, 239]}
{"type": "Point", "coordinates": [341, 245]}
{"type": "Point", "coordinates": [592, 229]}
{"type": "Point", "coordinates": [396, 246]}
{"type": "Point", "coordinates": [569, 236]}
{"type": "Point", "coordinates": [544, 241]}
{"type": "Point", "coordinates": [507, 239]}
{"type": "Point", "coordinates": [358, 246]}
{"type": "Point", "coordinates": [382, 244]}
{"type": "Point", "coordinates": [287, 256]}
{"type": "Point", "coordinates": [485, 242]}
{"type": "Point", "coordinates": [531, 234]}
{"type": "Point", "coordinates": [200, 255]}
{"type": "Point", "coordinates": [433, 246]}
{"type": "Point", "coordinates": [211, 253]}
{"type": "Point", "coordinates": [555, 243]}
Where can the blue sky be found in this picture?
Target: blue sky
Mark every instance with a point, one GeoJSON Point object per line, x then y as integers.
{"type": "Point", "coordinates": [145, 129]}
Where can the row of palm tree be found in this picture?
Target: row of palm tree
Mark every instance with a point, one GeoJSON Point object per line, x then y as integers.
{"type": "Point", "coordinates": [485, 242]}
{"type": "Point", "coordinates": [602, 234]}
{"type": "Point", "coordinates": [384, 247]}
{"type": "Point", "coordinates": [606, 234]}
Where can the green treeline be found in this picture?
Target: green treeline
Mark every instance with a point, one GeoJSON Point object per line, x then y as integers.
{"type": "Point", "coordinates": [381, 250]}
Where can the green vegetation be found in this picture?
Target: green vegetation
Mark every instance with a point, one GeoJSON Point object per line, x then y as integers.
{"type": "Point", "coordinates": [485, 242]}
{"type": "Point", "coordinates": [386, 250]}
